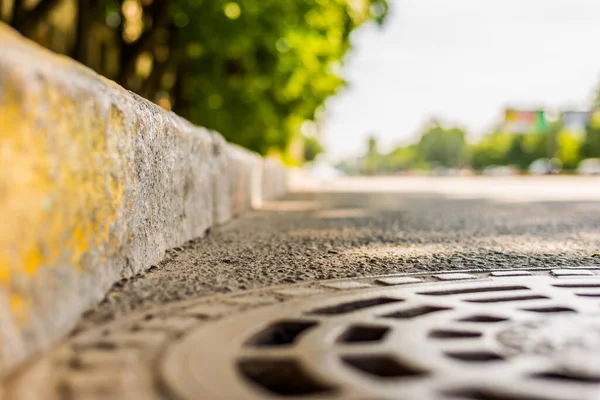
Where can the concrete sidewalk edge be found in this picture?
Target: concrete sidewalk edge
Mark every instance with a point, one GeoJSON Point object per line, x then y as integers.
{"type": "Point", "coordinates": [96, 184]}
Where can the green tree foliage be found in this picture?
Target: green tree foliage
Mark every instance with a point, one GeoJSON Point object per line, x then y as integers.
{"type": "Point", "coordinates": [502, 148]}
{"type": "Point", "coordinates": [443, 146]}
{"type": "Point", "coordinates": [372, 161]}
{"type": "Point", "coordinates": [568, 149]}
{"type": "Point", "coordinates": [265, 66]}
{"type": "Point", "coordinates": [402, 159]}
{"type": "Point", "coordinates": [312, 148]}
{"type": "Point", "coordinates": [591, 145]}
{"type": "Point", "coordinates": [254, 70]}
{"type": "Point", "coordinates": [532, 146]}
{"type": "Point", "coordinates": [439, 146]}
{"type": "Point", "coordinates": [492, 150]}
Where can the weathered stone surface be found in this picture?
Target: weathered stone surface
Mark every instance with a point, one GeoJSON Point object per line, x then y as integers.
{"type": "Point", "coordinates": [223, 184]}
{"type": "Point", "coordinates": [245, 173]}
{"type": "Point", "coordinates": [273, 179]}
{"type": "Point", "coordinates": [96, 183]}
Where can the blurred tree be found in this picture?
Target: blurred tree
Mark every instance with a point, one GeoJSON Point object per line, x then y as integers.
{"type": "Point", "coordinates": [438, 146]}
{"type": "Point", "coordinates": [372, 147]}
{"type": "Point", "coordinates": [516, 149]}
{"type": "Point", "coordinates": [492, 149]}
{"type": "Point", "coordinates": [535, 146]}
{"type": "Point", "coordinates": [372, 160]}
{"type": "Point", "coordinates": [401, 159]}
{"type": "Point", "coordinates": [26, 16]}
{"type": "Point", "coordinates": [312, 148]}
{"type": "Point", "coordinates": [444, 147]}
{"type": "Point", "coordinates": [591, 145]}
{"type": "Point", "coordinates": [568, 149]}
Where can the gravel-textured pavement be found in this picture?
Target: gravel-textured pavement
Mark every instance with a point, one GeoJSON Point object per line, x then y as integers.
{"type": "Point", "coordinates": [357, 227]}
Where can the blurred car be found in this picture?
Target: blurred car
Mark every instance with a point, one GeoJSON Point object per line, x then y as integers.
{"type": "Point", "coordinates": [500, 170]}
{"type": "Point", "coordinates": [544, 166]}
{"type": "Point", "coordinates": [589, 166]}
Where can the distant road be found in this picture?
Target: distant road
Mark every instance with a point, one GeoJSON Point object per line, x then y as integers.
{"type": "Point", "coordinates": [527, 188]}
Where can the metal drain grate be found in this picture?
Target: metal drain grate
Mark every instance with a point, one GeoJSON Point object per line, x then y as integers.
{"type": "Point", "coordinates": [508, 337]}
{"type": "Point", "coordinates": [518, 335]}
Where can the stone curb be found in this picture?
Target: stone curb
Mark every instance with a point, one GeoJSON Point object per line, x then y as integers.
{"type": "Point", "coordinates": [96, 183]}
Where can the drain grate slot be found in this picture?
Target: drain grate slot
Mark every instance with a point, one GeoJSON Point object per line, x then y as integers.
{"type": "Point", "coordinates": [549, 310]}
{"type": "Point", "coordinates": [474, 356]}
{"type": "Point", "coordinates": [577, 285]}
{"type": "Point", "coordinates": [282, 333]}
{"type": "Point", "coordinates": [453, 334]}
{"type": "Point", "coordinates": [507, 299]}
{"type": "Point", "coordinates": [484, 319]}
{"type": "Point", "coordinates": [284, 377]}
{"type": "Point", "coordinates": [487, 394]}
{"type": "Point", "coordinates": [363, 334]}
{"type": "Point", "coordinates": [415, 312]}
{"type": "Point", "coordinates": [588, 294]}
{"type": "Point", "coordinates": [451, 292]}
{"type": "Point", "coordinates": [382, 366]}
{"type": "Point", "coordinates": [345, 308]}
{"type": "Point", "coordinates": [559, 376]}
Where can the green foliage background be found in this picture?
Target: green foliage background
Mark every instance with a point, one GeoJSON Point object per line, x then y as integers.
{"type": "Point", "coordinates": [258, 76]}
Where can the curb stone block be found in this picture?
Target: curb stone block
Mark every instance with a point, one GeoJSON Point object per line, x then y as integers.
{"type": "Point", "coordinates": [245, 174]}
{"type": "Point", "coordinates": [97, 183]}
{"type": "Point", "coordinates": [274, 182]}
{"type": "Point", "coordinates": [223, 184]}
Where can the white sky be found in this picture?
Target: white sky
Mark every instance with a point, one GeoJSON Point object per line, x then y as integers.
{"type": "Point", "coordinates": [463, 61]}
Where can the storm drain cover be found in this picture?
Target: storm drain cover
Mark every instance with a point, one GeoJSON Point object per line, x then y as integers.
{"type": "Point", "coordinates": [519, 335]}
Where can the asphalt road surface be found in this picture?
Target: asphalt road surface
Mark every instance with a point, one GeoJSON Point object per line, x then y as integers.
{"type": "Point", "coordinates": [364, 226]}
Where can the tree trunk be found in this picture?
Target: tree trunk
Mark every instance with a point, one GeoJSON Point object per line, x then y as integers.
{"type": "Point", "coordinates": [179, 103]}
{"type": "Point", "coordinates": [85, 10]}
{"type": "Point", "coordinates": [152, 85]}
{"type": "Point", "coordinates": [130, 51]}
{"type": "Point", "coordinates": [6, 19]}
{"type": "Point", "coordinates": [17, 13]}
{"type": "Point", "coordinates": [27, 21]}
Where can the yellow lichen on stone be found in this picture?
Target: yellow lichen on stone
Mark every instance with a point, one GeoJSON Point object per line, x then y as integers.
{"type": "Point", "coordinates": [96, 184]}
{"type": "Point", "coordinates": [19, 307]}
{"type": "Point", "coordinates": [64, 173]}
